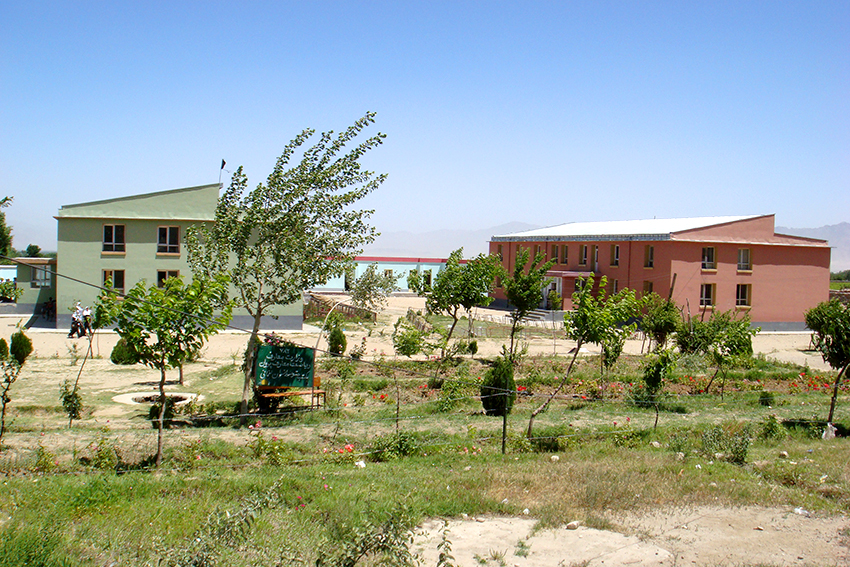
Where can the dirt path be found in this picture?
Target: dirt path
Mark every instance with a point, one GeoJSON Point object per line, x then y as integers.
{"type": "Point", "coordinates": [694, 536]}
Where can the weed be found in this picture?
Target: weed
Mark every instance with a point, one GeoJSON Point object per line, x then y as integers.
{"type": "Point", "coordinates": [522, 548]}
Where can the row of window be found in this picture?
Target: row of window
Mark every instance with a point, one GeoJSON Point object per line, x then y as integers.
{"type": "Point", "coordinates": [709, 256]}
{"type": "Point", "coordinates": [116, 278]}
{"type": "Point", "coordinates": [709, 259]}
{"type": "Point", "coordinates": [708, 295]}
{"type": "Point", "coordinates": [167, 239]}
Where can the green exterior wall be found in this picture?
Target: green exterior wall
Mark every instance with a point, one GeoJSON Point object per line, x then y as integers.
{"type": "Point", "coordinates": [81, 255]}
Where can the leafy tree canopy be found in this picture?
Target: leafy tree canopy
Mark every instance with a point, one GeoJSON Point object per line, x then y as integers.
{"type": "Point", "coordinates": [371, 289]}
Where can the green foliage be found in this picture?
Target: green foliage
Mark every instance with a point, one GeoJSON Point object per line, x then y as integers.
{"type": "Point", "coordinates": [72, 401]}
{"type": "Point", "coordinates": [122, 353]}
{"type": "Point", "coordinates": [20, 348]}
{"type": "Point", "coordinates": [337, 343]}
{"type": "Point", "coordinates": [657, 369]}
{"type": "Point", "coordinates": [371, 289]}
{"type": "Point", "coordinates": [524, 288]}
{"type": "Point", "coordinates": [498, 389]}
{"type": "Point", "coordinates": [295, 231]}
{"type": "Point", "coordinates": [4, 350]}
{"type": "Point", "coordinates": [386, 541]}
{"type": "Point", "coordinates": [830, 322]}
{"type": "Point", "coordinates": [722, 336]}
{"type": "Point", "coordinates": [661, 318]}
{"type": "Point", "coordinates": [5, 230]}
{"type": "Point", "coordinates": [407, 339]}
{"type": "Point", "coordinates": [771, 427]}
{"type": "Point", "coordinates": [732, 447]}
{"type": "Point", "coordinates": [392, 447]}
{"type": "Point", "coordinates": [457, 286]}
{"type": "Point", "coordinates": [9, 291]}
{"type": "Point", "coordinates": [165, 325]}
{"type": "Point", "coordinates": [33, 251]}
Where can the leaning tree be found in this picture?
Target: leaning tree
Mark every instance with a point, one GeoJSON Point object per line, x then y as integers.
{"type": "Point", "coordinates": [295, 231]}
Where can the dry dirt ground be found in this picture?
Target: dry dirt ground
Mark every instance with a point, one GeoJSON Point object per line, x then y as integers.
{"type": "Point", "coordinates": [694, 536]}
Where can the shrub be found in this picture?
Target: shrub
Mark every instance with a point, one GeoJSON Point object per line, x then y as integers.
{"type": "Point", "coordinates": [766, 398]}
{"type": "Point", "coordinates": [4, 350]}
{"type": "Point", "coordinates": [337, 342]}
{"type": "Point", "coordinates": [21, 347]}
{"type": "Point", "coordinates": [123, 353]}
{"type": "Point", "coordinates": [498, 390]}
{"type": "Point", "coordinates": [72, 401]}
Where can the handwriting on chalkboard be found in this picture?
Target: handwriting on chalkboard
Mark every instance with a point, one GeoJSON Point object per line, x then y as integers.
{"type": "Point", "coordinates": [284, 366]}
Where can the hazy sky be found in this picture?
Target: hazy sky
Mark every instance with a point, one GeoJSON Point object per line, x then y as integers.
{"type": "Point", "coordinates": [541, 112]}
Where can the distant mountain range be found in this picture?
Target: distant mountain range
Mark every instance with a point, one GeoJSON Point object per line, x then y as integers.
{"type": "Point", "coordinates": [838, 236]}
{"type": "Point", "coordinates": [440, 243]}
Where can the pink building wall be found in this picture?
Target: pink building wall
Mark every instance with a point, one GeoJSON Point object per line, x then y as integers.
{"type": "Point", "coordinates": [789, 274]}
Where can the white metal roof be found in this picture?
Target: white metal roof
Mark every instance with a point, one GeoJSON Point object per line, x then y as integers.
{"type": "Point", "coordinates": [650, 228]}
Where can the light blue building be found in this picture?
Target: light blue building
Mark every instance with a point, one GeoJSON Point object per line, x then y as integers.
{"type": "Point", "coordinates": [398, 267]}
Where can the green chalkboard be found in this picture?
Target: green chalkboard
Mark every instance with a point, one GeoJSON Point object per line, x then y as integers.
{"type": "Point", "coordinates": [284, 366]}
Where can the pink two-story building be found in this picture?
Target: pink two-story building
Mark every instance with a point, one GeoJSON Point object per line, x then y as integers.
{"type": "Point", "coordinates": [707, 263]}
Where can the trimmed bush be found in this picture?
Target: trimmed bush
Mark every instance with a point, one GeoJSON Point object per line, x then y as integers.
{"type": "Point", "coordinates": [21, 347]}
{"type": "Point", "coordinates": [4, 350]}
{"type": "Point", "coordinates": [498, 390]}
{"type": "Point", "coordinates": [337, 342]}
{"type": "Point", "coordinates": [123, 353]}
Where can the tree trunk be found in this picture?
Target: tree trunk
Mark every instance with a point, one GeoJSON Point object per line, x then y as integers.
{"type": "Point", "coordinates": [180, 369]}
{"type": "Point", "coordinates": [162, 404]}
{"type": "Point", "coordinates": [835, 392]}
{"type": "Point", "coordinates": [554, 393]}
{"type": "Point", "coordinates": [249, 369]}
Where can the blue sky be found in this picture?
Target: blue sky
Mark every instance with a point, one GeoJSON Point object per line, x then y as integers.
{"type": "Point", "coordinates": [541, 112]}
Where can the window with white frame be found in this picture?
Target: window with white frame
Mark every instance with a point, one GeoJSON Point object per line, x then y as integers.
{"type": "Point", "coordinates": [582, 255]}
{"type": "Point", "coordinates": [745, 263]}
{"type": "Point", "coordinates": [113, 238]}
{"type": "Point", "coordinates": [40, 276]}
{"type": "Point", "coordinates": [615, 255]}
{"type": "Point", "coordinates": [743, 295]}
{"type": "Point", "coordinates": [564, 256]}
{"type": "Point", "coordinates": [706, 295]}
{"type": "Point", "coordinates": [616, 286]}
{"type": "Point", "coordinates": [554, 255]}
{"type": "Point", "coordinates": [709, 261]}
{"type": "Point", "coordinates": [168, 240]}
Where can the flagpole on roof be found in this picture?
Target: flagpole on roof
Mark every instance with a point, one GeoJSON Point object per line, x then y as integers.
{"type": "Point", "coordinates": [220, 170]}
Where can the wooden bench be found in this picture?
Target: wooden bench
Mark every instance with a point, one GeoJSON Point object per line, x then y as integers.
{"type": "Point", "coordinates": [315, 395]}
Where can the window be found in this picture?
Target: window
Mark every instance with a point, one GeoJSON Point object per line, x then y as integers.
{"type": "Point", "coordinates": [499, 252]}
{"type": "Point", "coordinates": [564, 257]}
{"type": "Point", "coordinates": [582, 255]}
{"type": "Point", "coordinates": [743, 295]}
{"type": "Point", "coordinates": [708, 259]}
{"type": "Point", "coordinates": [113, 238]}
{"type": "Point", "coordinates": [554, 255]}
{"type": "Point", "coordinates": [580, 284]}
{"type": "Point", "coordinates": [40, 277]}
{"type": "Point", "coordinates": [744, 262]}
{"type": "Point", "coordinates": [162, 275]}
{"type": "Point", "coordinates": [498, 281]}
{"type": "Point", "coordinates": [388, 273]}
{"type": "Point", "coordinates": [647, 287]}
{"type": "Point", "coordinates": [616, 286]}
{"type": "Point", "coordinates": [596, 258]}
{"type": "Point", "coordinates": [116, 277]}
{"type": "Point", "coordinates": [615, 255]}
{"type": "Point", "coordinates": [648, 256]}
{"type": "Point", "coordinates": [168, 240]}
{"type": "Point", "coordinates": [426, 278]}
{"type": "Point", "coordinates": [706, 295]}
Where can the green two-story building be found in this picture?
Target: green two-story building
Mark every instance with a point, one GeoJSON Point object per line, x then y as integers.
{"type": "Point", "coordinates": [141, 237]}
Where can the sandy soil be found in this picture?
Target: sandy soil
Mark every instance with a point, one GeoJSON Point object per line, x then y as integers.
{"type": "Point", "coordinates": [699, 536]}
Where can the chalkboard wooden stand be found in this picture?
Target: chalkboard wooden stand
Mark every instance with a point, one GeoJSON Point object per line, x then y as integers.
{"type": "Point", "coordinates": [285, 371]}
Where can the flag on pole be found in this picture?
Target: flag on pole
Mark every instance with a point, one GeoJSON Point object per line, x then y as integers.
{"type": "Point", "coordinates": [222, 164]}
